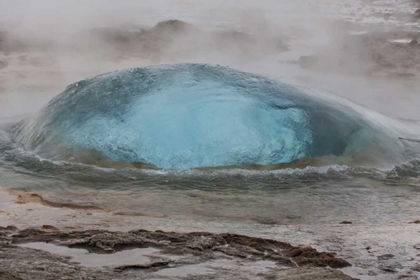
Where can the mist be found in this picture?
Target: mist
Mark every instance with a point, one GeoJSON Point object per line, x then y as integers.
{"type": "Point", "coordinates": [46, 45]}
{"type": "Point", "coordinates": [294, 164]}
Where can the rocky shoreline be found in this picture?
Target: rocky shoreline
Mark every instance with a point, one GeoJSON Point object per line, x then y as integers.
{"type": "Point", "coordinates": [43, 240]}
{"type": "Point", "coordinates": [206, 251]}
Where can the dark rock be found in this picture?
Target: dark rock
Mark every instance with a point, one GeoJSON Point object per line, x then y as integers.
{"type": "Point", "coordinates": [414, 42]}
{"type": "Point", "coordinates": [417, 14]}
{"type": "Point", "coordinates": [9, 228]}
{"type": "Point", "coordinates": [387, 269]}
{"type": "Point", "coordinates": [196, 248]}
{"type": "Point", "coordinates": [48, 227]}
{"type": "Point", "coordinates": [173, 25]}
{"type": "Point", "coordinates": [308, 256]}
{"type": "Point", "coordinates": [158, 264]}
{"type": "Point", "coordinates": [311, 274]}
{"type": "Point", "coordinates": [6, 275]}
{"type": "Point", "coordinates": [385, 257]}
{"type": "Point", "coordinates": [416, 268]}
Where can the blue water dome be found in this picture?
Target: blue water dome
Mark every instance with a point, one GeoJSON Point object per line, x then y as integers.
{"type": "Point", "coordinates": [187, 116]}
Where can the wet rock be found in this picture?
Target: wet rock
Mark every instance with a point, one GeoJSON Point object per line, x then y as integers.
{"type": "Point", "coordinates": [388, 268]}
{"type": "Point", "coordinates": [417, 14]}
{"type": "Point", "coordinates": [416, 268]}
{"type": "Point", "coordinates": [195, 248]}
{"type": "Point", "coordinates": [309, 256]}
{"type": "Point", "coordinates": [414, 42]}
{"type": "Point", "coordinates": [144, 266]}
{"type": "Point", "coordinates": [309, 274]}
{"type": "Point", "coordinates": [386, 257]}
{"type": "Point", "coordinates": [5, 234]}
{"type": "Point", "coordinates": [9, 228]}
{"type": "Point", "coordinates": [24, 263]}
{"type": "Point", "coordinates": [204, 242]}
{"type": "Point", "coordinates": [49, 227]}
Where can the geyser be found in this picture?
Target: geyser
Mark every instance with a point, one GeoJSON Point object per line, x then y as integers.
{"type": "Point", "coordinates": [192, 115]}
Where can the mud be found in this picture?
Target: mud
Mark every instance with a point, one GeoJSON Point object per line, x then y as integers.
{"type": "Point", "coordinates": [208, 255]}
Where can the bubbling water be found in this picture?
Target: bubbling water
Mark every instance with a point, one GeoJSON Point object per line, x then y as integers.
{"type": "Point", "coordinates": [187, 116]}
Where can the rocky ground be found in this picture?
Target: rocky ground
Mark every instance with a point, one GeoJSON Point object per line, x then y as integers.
{"type": "Point", "coordinates": [197, 255]}
{"type": "Point", "coordinates": [38, 239]}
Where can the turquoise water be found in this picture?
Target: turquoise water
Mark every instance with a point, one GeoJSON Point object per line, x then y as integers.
{"type": "Point", "coordinates": [130, 141]}
{"type": "Point", "coordinates": [187, 116]}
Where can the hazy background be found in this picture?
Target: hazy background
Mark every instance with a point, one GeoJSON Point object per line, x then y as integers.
{"type": "Point", "coordinates": [347, 47]}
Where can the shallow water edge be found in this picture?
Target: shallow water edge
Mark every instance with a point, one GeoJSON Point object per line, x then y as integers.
{"type": "Point", "coordinates": [382, 251]}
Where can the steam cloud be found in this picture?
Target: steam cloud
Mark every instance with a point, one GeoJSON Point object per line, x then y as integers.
{"type": "Point", "coordinates": [45, 45]}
